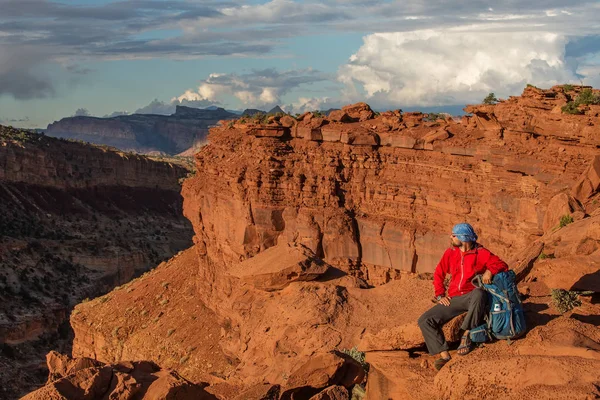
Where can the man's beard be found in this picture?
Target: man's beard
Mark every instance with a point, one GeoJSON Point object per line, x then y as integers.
{"type": "Point", "coordinates": [454, 244]}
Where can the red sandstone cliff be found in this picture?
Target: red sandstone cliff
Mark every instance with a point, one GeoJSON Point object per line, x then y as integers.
{"type": "Point", "coordinates": [253, 305]}
{"type": "Point", "coordinates": [380, 195]}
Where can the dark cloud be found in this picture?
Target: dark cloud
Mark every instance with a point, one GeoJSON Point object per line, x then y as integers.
{"type": "Point", "coordinates": [20, 75]}
{"type": "Point", "coordinates": [212, 28]}
{"type": "Point", "coordinates": [136, 28]}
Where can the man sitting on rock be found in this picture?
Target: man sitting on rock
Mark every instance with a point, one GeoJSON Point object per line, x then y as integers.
{"type": "Point", "coordinates": [465, 259]}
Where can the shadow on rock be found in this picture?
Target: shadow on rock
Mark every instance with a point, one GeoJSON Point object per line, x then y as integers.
{"type": "Point", "coordinates": [534, 315]}
{"type": "Point", "coordinates": [588, 319]}
{"type": "Point", "coordinates": [588, 282]}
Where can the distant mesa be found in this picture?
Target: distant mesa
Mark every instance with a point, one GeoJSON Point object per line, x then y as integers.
{"type": "Point", "coordinates": [144, 133]}
{"type": "Point", "coordinates": [250, 112]}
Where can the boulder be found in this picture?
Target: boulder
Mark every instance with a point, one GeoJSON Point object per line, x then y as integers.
{"type": "Point", "coordinates": [278, 266]}
{"type": "Point", "coordinates": [569, 273]}
{"type": "Point", "coordinates": [287, 121]}
{"type": "Point", "coordinates": [86, 379]}
{"type": "Point", "coordinates": [359, 111]}
{"type": "Point", "coordinates": [589, 181]}
{"type": "Point", "coordinates": [560, 205]}
{"type": "Point", "coordinates": [321, 371]}
{"type": "Point", "coordinates": [431, 137]}
{"type": "Point", "coordinates": [339, 116]}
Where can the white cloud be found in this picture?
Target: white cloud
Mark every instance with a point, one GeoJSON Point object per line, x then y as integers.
{"type": "Point", "coordinates": [262, 88]}
{"type": "Point", "coordinates": [82, 112]}
{"type": "Point", "coordinates": [304, 104]}
{"type": "Point", "coordinates": [435, 67]}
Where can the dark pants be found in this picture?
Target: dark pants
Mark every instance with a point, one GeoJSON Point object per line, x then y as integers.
{"type": "Point", "coordinates": [474, 303]}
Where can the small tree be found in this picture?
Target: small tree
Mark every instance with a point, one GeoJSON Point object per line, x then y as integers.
{"type": "Point", "coordinates": [490, 99]}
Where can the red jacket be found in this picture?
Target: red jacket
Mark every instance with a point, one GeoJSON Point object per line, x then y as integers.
{"type": "Point", "coordinates": [463, 267]}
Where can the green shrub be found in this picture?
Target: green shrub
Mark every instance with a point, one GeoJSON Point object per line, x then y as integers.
{"type": "Point", "coordinates": [490, 99]}
{"type": "Point", "coordinates": [565, 300]}
{"type": "Point", "coordinates": [544, 256]}
{"type": "Point", "coordinates": [568, 87]}
{"type": "Point", "coordinates": [565, 220]}
{"type": "Point", "coordinates": [587, 97]}
{"type": "Point", "coordinates": [358, 356]}
{"type": "Point", "coordinates": [532, 86]}
{"type": "Point", "coordinates": [434, 117]}
{"type": "Point", "coordinates": [261, 118]}
{"type": "Point", "coordinates": [571, 108]}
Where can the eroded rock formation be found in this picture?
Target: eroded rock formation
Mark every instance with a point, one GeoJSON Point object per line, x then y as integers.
{"type": "Point", "coordinates": [374, 197]}
{"type": "Point", "coordinates": [378, 194]}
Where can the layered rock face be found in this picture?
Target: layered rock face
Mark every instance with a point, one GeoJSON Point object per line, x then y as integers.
{"type": "Point", "coordinates": [75, 221]}
{"type": "Point", "coordinates": [379, 194]}
{"type": "Point", "coordinates": [314, 236]}
{"type": "Point", "coordinates": [142, 133]}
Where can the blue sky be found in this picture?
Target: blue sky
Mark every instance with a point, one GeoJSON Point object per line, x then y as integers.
{"type": "Point", "coordinates": [102, 57]}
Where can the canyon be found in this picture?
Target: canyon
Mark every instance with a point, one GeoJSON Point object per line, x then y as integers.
{"type": "Point", "coordinates": [75, 221]}
{"type": "Point", "coordinates": [315, 237]}
{"type": "Point", "coordinates": [143, 133]}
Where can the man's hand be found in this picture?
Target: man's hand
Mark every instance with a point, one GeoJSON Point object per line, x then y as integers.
{"type": "Point", "coordinates": [487, 277]}
{"type": "Point", "coordinates": [445, 301]}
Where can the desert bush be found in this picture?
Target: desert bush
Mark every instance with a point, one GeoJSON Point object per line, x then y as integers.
{"type": "Point", "coordinates": [565, 300]}
{"type": "Point", "coordinates": [568, 87]}
{"type": "Point", "coordinates": [587, 97]}
{"type": "Point", "coordinates": [565, 220]}
{"type": "Point", "coordinates": [544, 256]}
{"type": "Point", "coordinates": [434, 117]}
{"type": "Point", "coordinates": [571, 108]}
{"type": "Point", "coordinates": [358, 356]}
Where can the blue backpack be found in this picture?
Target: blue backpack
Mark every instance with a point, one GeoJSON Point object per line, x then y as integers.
{"type": "Point", "coordinates": [506, 319]}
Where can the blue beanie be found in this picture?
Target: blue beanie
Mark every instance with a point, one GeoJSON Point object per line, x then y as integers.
{"type": "Point", "coordinates": [464, 232]}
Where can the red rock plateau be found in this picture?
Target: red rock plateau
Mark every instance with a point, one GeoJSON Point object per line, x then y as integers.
{"type": "Point", "coordinates": [75, 221]}
{"type": "Point", "coordinates": [314, 235]}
